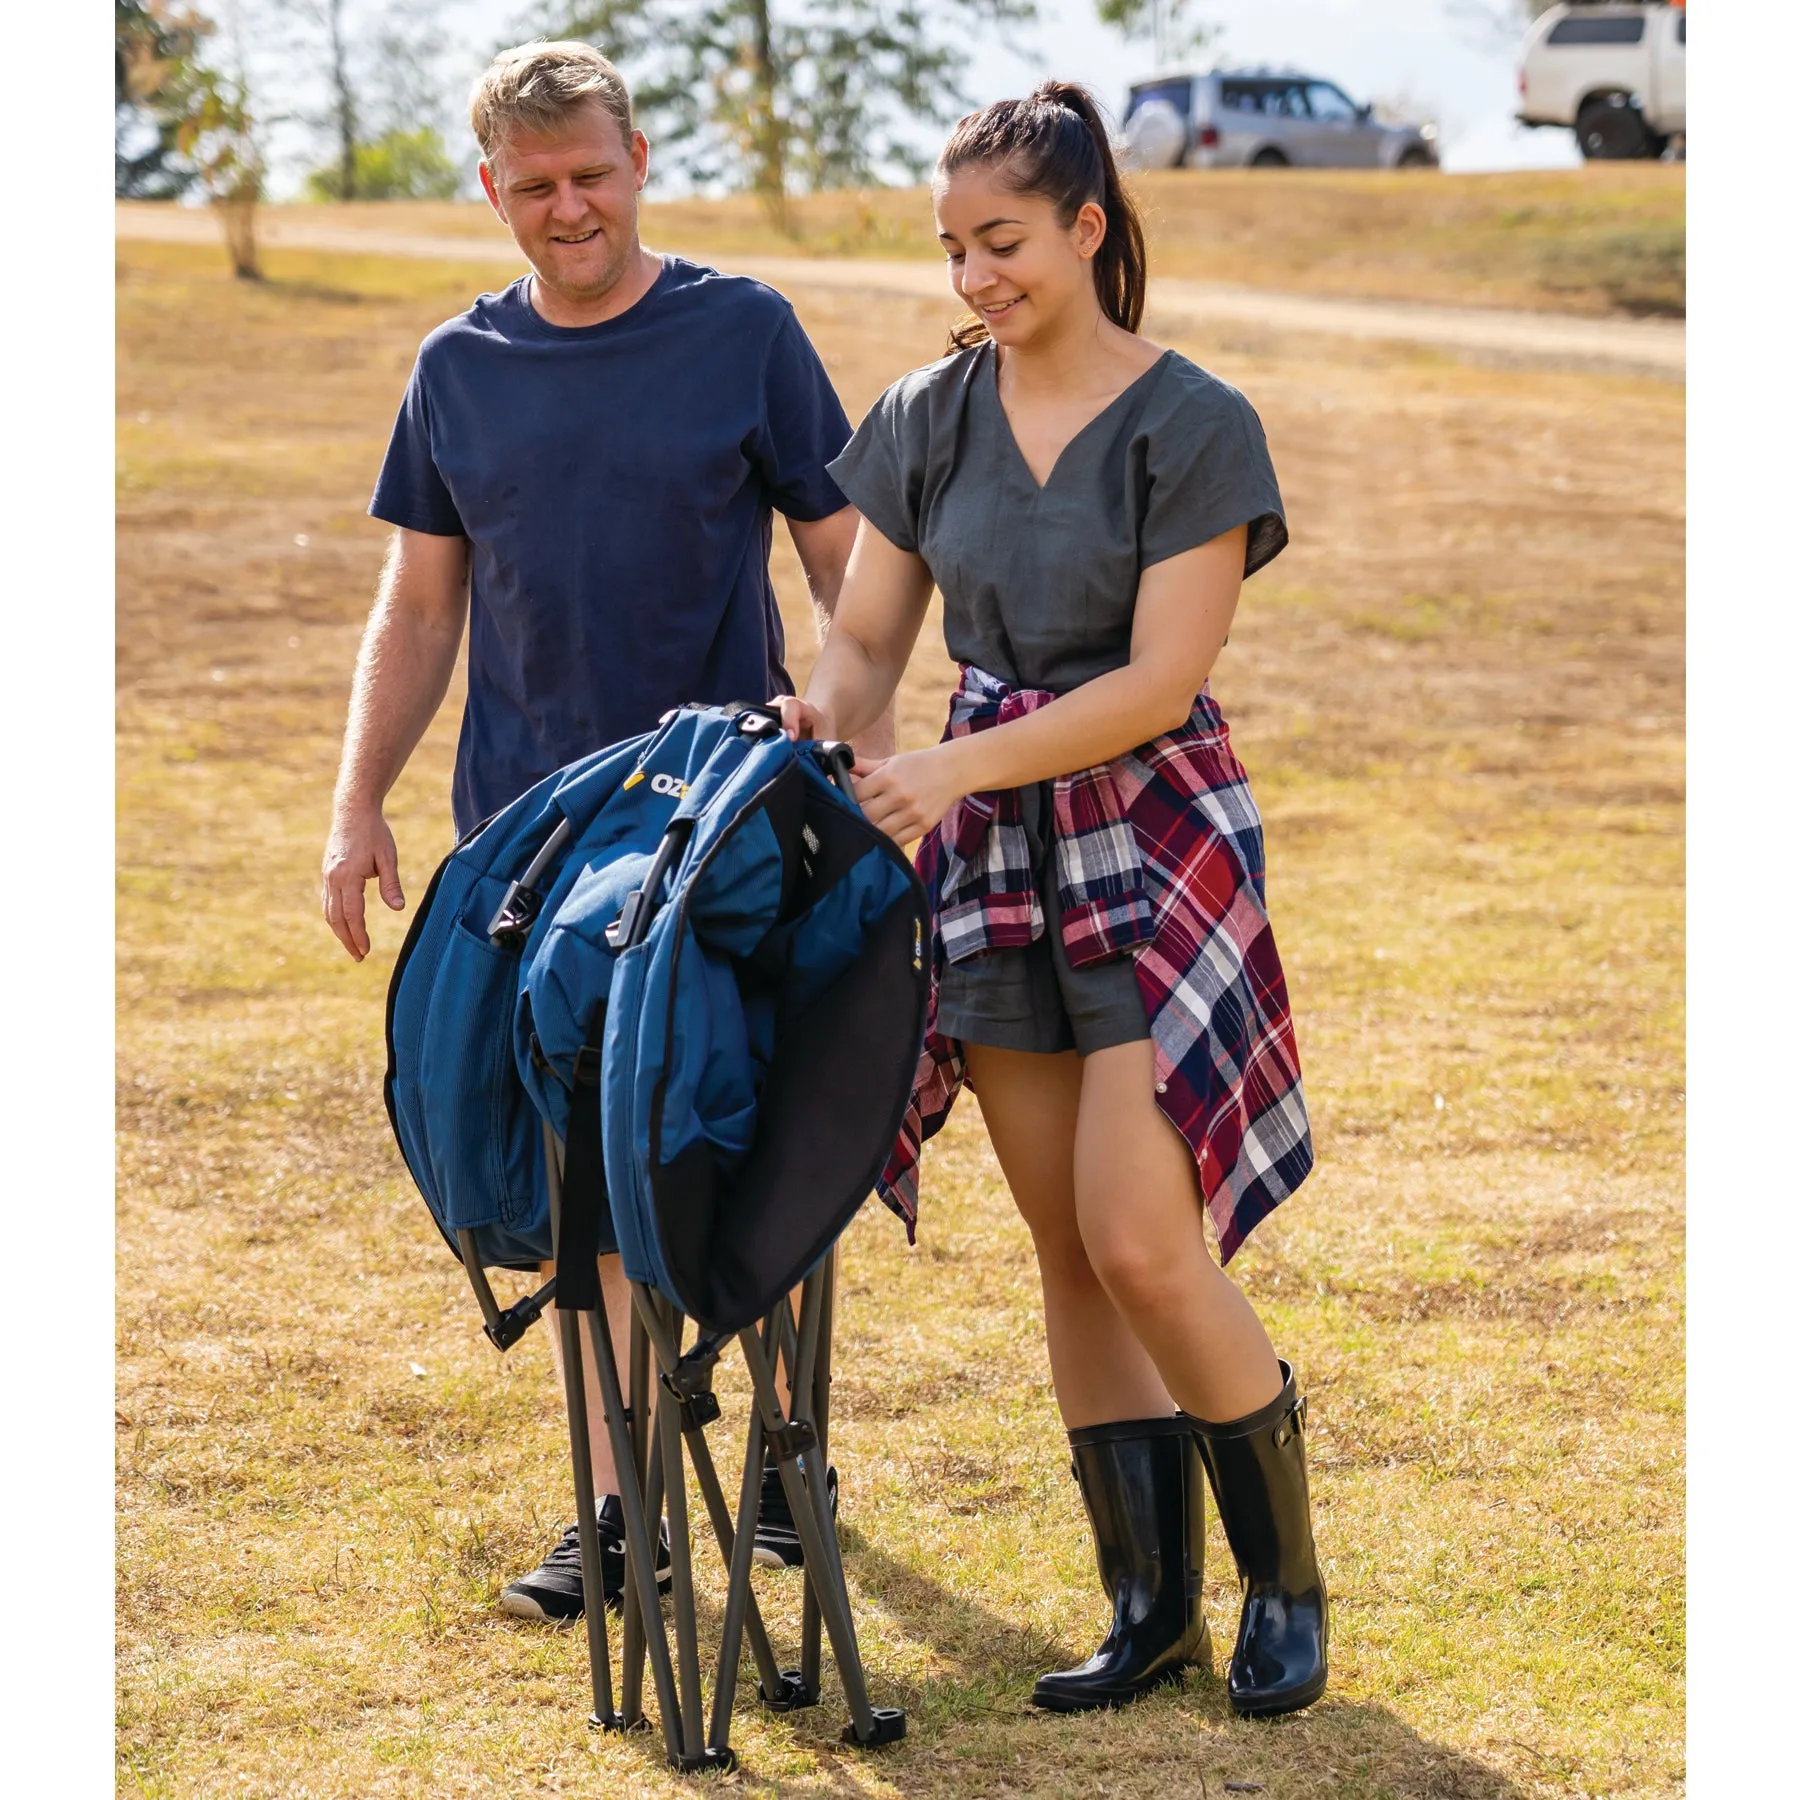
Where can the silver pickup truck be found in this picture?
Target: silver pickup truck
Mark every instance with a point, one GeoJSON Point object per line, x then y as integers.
{"type": "Point", "coordinates": [1263, 119]}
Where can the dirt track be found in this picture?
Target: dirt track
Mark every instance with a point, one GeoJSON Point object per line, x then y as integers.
{"type": "Point", "coordinates": [1652, 347]}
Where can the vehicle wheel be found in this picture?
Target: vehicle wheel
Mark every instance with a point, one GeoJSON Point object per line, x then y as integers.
{"type": "Point", "coordinates": [1413, 158]}
{"type": "Point", "coordinates": [1611, 129]}
{"type": "Point", "coordinates": [1268, 158]}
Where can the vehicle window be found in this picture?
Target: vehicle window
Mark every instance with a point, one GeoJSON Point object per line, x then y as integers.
{"type": "Point", "coordinates": [1179, 94]}
{"type": "Point", "coordinates": [1239, 96]}
{"type": "Point", "coordinates": [1286, 102]}
{"type": "Point", "coordinates": [1329, 102]}
{"type": "Point", "coordinates": [1576, 30]}
{"type": "Point", "coordinates": [1681, 29]}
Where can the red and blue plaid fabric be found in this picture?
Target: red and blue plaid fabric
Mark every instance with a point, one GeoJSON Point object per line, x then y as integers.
{"type": "Point", "coordinates": [1159, 855]}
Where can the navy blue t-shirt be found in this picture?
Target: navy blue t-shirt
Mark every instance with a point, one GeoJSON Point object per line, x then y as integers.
{"type": "Point", "coordinates": [615, 483]}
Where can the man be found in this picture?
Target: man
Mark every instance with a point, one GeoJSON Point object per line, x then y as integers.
{"type": "Point", "coordinates": [585, 466]}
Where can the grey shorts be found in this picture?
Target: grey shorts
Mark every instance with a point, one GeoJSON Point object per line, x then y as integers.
{"type": "Point", "coordinates": [1031, 998]}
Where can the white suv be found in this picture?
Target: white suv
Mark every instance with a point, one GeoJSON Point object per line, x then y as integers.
{"type": "Point", "coordinates": [1615, 72]}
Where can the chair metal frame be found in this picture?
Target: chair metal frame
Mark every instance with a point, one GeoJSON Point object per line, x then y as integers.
{"type": "Point", "coordinates": [657, 1429]}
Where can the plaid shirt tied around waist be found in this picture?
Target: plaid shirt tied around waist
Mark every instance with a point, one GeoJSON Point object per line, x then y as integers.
{"type": "Point", "coordinates": [1159, 856]}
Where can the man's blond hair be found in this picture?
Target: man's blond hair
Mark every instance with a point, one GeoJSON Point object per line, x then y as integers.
{"type": "Point", "coordinates": [537, 86]}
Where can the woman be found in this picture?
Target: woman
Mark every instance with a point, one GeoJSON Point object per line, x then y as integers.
{"type": "Point", "coordinates": [1104, 975]}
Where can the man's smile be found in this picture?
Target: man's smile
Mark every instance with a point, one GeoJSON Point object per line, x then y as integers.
{"type": "Point", "coordinates": [579, 237]}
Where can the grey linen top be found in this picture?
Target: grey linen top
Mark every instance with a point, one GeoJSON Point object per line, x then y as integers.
{"type": "Point", "coordinates": [1040, 583]}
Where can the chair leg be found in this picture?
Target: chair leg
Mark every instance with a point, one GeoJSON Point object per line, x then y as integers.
{"type": "Point", "coordinates": [586, 1525]}
{"type": "Point", "coordinates": [817, 1411]}
{"type": "Point", "coordinates": [681, 1558]}
{"type": "Point", "coordinates": [631, 1658]}
{"type": "Point", "coordinates": [867, 1725]}
{"type": "Point", "coordinates": [587, 1531]}
{"type": "Point", "coordinates": [750, 1617]}
{"type": "Point", "coordinates": [663, 1327]}
{"type": "Point", "coordinates": [740, 1602]}
{"type": "Point", "coordinates": [640, 1561]}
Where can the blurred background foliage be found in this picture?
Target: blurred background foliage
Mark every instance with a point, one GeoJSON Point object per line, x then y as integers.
{"type": "Point", "coordinates": [791, 97]}
{"type": "Point", "coordinates": [183, 119]}
{"type": "Point", "coordinates": [399, 165]}
{"type": "Point", "coordinates": [363, 96]}
{"type": "Point", "coordinates": [363, 99]}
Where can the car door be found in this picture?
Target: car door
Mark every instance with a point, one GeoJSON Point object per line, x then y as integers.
{"type": "Point", "coordinates": [1238, 115]}
{"type": "Point", "coordinates": [1287, 122]}
{"type": "Point", "coordinates": [1341, 136]}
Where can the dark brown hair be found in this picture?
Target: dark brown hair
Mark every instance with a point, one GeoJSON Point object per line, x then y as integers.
{"type": "Point", "coordinates": [1054, 144]}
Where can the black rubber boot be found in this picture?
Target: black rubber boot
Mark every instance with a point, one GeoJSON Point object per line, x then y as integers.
{"type": "Point", "coordinates": [1258, 1470]}
{"type": "Point", "coordinates": [1146, 1500]}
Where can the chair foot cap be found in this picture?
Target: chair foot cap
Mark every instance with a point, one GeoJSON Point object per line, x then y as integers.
{"type": "Point", "coordinates": [795, 1693]}
{"type": "Point", "coordinates": [887, 1726]}
{"type": "Point", "coordinates": [720, 1761]}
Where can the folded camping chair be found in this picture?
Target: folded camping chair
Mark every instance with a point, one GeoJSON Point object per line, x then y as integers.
{"type": "Point", "coordinates": [711, 968]}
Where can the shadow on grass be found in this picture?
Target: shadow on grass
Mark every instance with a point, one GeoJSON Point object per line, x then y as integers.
{"type": "Point", "coordinates": [1337, 1747]}
{"type": "Point", "coordinates": [290, 289]}
{"type": "Point", "coordinates": [975, 1647]}
{"type": "Point", "coordinates": [975, 1708]}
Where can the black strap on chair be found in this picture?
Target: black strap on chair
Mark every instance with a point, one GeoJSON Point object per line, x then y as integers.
{"type": "Point", "coordinates": [586, 1206]}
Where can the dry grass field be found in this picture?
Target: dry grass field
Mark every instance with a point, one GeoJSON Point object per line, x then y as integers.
{"type": "Point", "coordinates": [1609, 238]}
{"type": "Point", "coordinates": [1459, 694]}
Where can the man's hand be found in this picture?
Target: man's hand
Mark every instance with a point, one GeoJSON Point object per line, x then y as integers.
{"type": "Point", "coordinates": [799, 720]}
{"type": "Point", "coordinates": [360, 847]}
{"type": "Point", "coordinates": [402, 670]}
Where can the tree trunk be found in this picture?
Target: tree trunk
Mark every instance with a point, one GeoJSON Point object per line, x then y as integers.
{"type": "Point", "coordinates": [767, 149]}
{"type": "Point", "coordinates": [346, 103]}
{"type": "Point", "coordinates": [237, 214]}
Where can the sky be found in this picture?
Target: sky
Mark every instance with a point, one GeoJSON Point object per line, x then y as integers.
{"type": "Point", "coordinates": [1436, 59]}
{"type": "Point", "coordinates": [1428, 54]}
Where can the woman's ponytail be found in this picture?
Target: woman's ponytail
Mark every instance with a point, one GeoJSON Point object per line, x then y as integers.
{"type": "Point", "coordinates": [1055, 144]}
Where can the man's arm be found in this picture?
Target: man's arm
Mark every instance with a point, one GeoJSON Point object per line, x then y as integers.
{"type": "Point", "coordinates": [824, 549]}
{"type": "Point", "coordinates": [402, 672]}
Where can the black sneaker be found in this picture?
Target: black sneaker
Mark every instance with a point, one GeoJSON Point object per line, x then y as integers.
{"type": "Point", "coordinates": [777, 1542]}
{"type": "Point", "coordinates": [552, 1591]}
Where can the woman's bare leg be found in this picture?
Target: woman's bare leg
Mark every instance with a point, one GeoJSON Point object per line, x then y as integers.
{"type": "Point", "coordinates": [1030, 1104]}
{"type": "Point", "coordinates": [1137, 1203]}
